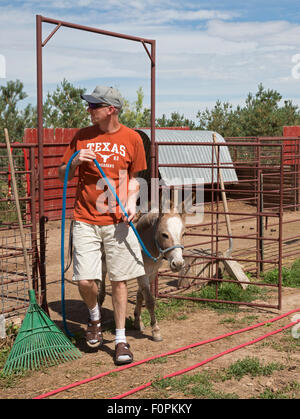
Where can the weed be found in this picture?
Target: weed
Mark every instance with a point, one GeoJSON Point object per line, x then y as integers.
{"type": "Point", "coordinates": [229, 292]}
{"type": "Point", "coordinates": [198, 385]}
{"type": "Point", "coordinates": [177, 309]}
{"type": "Point", "coordinates": [228, 320]}
{"type": "Point", "coordinates": [167, 309]}
{"type": "Point", "coordinates": [249, 366]}
{"type": "Point", "coordinates": [290, 391]}
{"type": "Point", "coordinates": [290, 276]}
{"type": "Point", "coordinates": [7, 343]}
{"type": "Point", "coordinates": [161, 360]}
{"type": "Point", "coordinates": [269, 394]}
{"type": "Point", "coordinates": [286, 343]}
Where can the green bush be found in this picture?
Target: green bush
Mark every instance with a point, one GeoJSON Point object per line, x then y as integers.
{"type": "Point", "coordinates": [290, 276]}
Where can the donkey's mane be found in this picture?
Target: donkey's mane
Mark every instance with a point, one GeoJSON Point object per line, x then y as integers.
{"type": "Point", "coordinates": [147, 220]}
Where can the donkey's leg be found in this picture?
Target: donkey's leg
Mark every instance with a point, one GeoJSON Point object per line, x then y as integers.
{"type": "Point", "coordinates": [138, 324]}
{"type": "Point", "coordinates": [101, 284]}
{"type": "Point", "coordinates": [150, 304]}
{"type": "Point", "coordinates": [101, 291]}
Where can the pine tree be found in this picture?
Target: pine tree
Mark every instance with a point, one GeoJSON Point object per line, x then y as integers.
{"type": "Point", "coordinates": [262, 115]}
{"type": "Point", "coordinates": [64, 108]}
{"type": "Point", "coordinates": [11, 117]}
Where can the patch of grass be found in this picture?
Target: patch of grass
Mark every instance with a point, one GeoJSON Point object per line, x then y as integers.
{"type": "Point", "coordinates": [249, 366]}
{"type": "Point", "coordinates": [228, 291]}
{"type": "Point", "coordinates": [269, 394]}
{"type": "Point", "coordinates": [291, 391]}
{"type": "Point", "coordinates": [4, 352]}
{"type": "Point", "coordinates": [286, 343]}
{"type": "Point", "coordinates": [161, 360]}
{"type": "Point", "coordinates": [6, 345]}
{"type": "Point", "coordinates": [171, 309]}
{"type": "Point", "coordinates": [177, 309]}
{"type": "Point", "coordinates": [11, 380]}
{"type": "Point", "coordinates": [290, 276]}
{"type": "Point", "coordinates": [198, 385]}
{"type": "Point", "coordinates": [248, 320]}
{"type": "Point", "coordinates": [228, 320]}
{"type": "Point", "coordinates": [201, 385]}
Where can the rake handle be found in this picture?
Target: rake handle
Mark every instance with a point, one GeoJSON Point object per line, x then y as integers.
{"type": "Point", "coordinates": [17, 201]}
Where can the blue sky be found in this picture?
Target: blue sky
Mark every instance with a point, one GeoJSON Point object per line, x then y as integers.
{"type": "Point", "coordinates": [206, 50]}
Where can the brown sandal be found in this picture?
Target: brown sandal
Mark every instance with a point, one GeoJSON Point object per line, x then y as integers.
{"type": "Point", "coordinates": [93, 335]}
{"type": "Point", "coordinates": [123, 354]}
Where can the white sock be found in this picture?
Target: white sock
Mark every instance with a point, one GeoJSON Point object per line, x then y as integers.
{"type": "Point", "coordinates": [120, 336]}
{"type": "Point", "coordinates": [95, 313]}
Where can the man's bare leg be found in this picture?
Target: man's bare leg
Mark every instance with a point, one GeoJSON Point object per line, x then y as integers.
{"type": "Point", "coordinates": [88, 290]}
{"type": "Point", "coordinates": [119, 300]}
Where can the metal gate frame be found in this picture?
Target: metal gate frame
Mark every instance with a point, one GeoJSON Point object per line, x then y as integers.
{"type": "Point", "coordinates": [216, 238]}
{"type": "Point", "coordinates": [40, 44]}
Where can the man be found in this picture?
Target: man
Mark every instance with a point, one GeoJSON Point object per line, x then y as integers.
{"type": "Point", "coordinates": [100, 226]}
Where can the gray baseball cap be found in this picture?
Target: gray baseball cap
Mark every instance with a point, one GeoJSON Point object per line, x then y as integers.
{"type": "Point", "coordinates": [107, 95]}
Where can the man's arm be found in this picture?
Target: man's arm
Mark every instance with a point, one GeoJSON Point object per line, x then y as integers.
{"type": "Point", "coordinates": [133, 193]}
{"type": "Point", "coordinates": [85, 155]}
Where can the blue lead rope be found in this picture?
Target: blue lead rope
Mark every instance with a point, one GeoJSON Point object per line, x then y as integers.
{"type": "Point", "coordinates": [62, 245]}
{"type": "Point", "coordinates": [62, 248]}
{"type": "Point", "coordinates": [124, 211]}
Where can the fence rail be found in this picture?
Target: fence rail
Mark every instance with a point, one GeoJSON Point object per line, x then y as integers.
{"type": "Point", "coordinates": [263, 209]}
{"type": "Point", "coordinates": [13, 279]}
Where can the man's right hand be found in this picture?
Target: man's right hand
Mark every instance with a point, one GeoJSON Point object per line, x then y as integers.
{"type": "Point", "coordinates": [84, 155]}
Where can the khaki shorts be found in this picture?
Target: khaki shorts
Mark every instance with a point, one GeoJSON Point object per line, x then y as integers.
{"type": "Point", "coordinates": [119, 244]}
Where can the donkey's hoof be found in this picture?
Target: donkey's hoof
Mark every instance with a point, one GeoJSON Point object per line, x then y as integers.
{"type": "Point", "coordinates": [157, 337]}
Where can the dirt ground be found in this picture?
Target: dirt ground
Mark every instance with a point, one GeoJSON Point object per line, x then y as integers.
{"type": "Point", "coordinates": [195, 325]}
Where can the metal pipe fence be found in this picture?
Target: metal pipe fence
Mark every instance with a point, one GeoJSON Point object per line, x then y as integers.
{"type": "Point", "coordinates": [263, 209]}
{"type": "Point", "coordinates": [13, 278]}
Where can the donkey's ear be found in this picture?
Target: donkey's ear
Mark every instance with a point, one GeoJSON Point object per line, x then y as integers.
{"type": "Point", "coordinates": [153, 215]}
{"type": "Point", "coordinates": [172, 205]}
{"type": "Point", "coordinates": [166, 206]}
{"type": "Point", "coordinates": [176, 207]}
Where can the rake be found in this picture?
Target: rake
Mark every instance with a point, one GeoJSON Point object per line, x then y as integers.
{"type": "Point", "coordinates": [39, 343]}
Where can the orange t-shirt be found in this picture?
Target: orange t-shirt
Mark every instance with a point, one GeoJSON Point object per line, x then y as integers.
{"type": "Point", "coordinates": [120, 155]}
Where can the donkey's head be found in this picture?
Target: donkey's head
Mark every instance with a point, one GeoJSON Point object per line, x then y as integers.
{"type": "Point", "coordinates": [169, 238]}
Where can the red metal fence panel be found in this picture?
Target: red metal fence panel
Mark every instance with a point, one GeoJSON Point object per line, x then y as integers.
{"type": "Point", "coordinates": [55, 143]}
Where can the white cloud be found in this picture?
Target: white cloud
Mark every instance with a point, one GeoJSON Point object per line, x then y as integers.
{"type": "Point", "coordinates": [201, 53]}
{"type": "Point", "coordinates": [246, 30]}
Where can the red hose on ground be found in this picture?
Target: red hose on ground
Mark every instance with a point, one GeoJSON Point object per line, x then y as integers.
{"type": "Point", "coordinates": [174, 374]}
{"type": "Point", "coordinates": [96, 377]}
